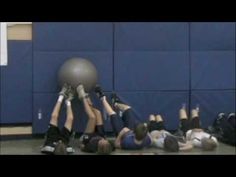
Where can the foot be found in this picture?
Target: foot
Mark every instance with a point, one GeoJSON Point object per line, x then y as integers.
{"type": "Point", "coordinates": [115, 99]}
{"type": "Point", "coordinates": [231, 116]}
{"type": "Point", "coordinates": [70, 94]}
{"type": "Point", "coordinates": [52, 137]}
{"type": "Point", "coordinates": [99, 92]}
{"type": "Point", "coordinates": [64, 90]}
{"type": "Point", "coordinates": [221, 116]}
{"type": "Point", "coordinates": [81, 93]}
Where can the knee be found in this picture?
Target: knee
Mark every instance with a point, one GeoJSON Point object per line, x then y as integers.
{"type": "Point", "coordinates": [97, 111]}
{"type": "Point", "coordinates": [54, 116]}
{"type": "Point", "coordinates": [70, 118]}
{"type": "Point", "coordinates": [92, 117]}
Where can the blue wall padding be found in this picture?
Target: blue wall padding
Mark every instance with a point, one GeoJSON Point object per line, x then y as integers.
{"type": "Point", "coordinates": [47, 64]}
{"type": "Point", "coordinates": [154, 66]}
{"type": "Point", "coordinates": [73, 36]}
{"type": "Point", "coordinates": [16, 84]}
{"type": "Point", "coordinates": [213, 102]}
{"type": "Point", "coordinates": [213, 70]}
{"type": "Point", "coordinates": [45, 103]}
{"type": "Point", "coordinates": [165, 103]}
{"type": "Point", "coordinates": [142, 70]}
{"type": "Point", "coordinates": [151, 36]}
{"type": "Point", "coordinates": [212, 36]}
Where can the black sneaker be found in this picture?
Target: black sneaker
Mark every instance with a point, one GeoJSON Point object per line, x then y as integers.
{"type": "Point", "coordinates": [220, 116]}
{"type": "Point", "coordinates": [115, 99]}
{"type": "Point", "coordinates": [64, 90]}
{"type": "Point", "coordinates": [232, 119]}
{"type": "Point", "coordinates": [52, 137]}
{"type": "Point", "coordinates": [99, 92]}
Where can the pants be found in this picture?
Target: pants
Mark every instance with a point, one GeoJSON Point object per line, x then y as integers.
{"type": "Point", "coordinates": [128, 120]}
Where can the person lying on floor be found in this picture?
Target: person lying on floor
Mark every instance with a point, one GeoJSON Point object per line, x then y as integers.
{"type": "Point", "coordinates": [224, 128]}
{"type": "Point", "coordinates": [57, 141]}
{"type": "Point", "coordinates": [132, 135]}
{"type": "Point", "coordinates": [93, 140]}
{"type": "Point", "coordinates": [163, 139]}
{"type": "Point", "coordinates": [193, 131]}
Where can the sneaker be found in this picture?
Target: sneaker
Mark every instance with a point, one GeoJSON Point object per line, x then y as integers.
{"type": "Point", "coordinates": [220, 116]}
{"type": "Point", "coordinates": [52, 136]}
{"type": "Point", "coordinates": [64, 90]}
{"type": "Point", "coordinates": [70, 94]}
{"type": "Point", "coordinates": [98, 91]}
{"type": "Point", "coordinates": [115, 99]}
{"type": "Point", "coordinates": [232, 119]}
{"type": "Point", "coordinates": [81, 93]}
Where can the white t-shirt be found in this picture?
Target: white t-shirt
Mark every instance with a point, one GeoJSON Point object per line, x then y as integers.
{"type": "Point", "coordinates": [158, 137]}
{"type": "Point", "coordinates": [196, 136]}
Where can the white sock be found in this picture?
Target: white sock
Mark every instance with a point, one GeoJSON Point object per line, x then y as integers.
{"type": "Point", "coordinates": [103, 98]}
{"type": "Point", "coordinates": [68, 103]}
{"type": "Point", "coordinates": [60, 99]}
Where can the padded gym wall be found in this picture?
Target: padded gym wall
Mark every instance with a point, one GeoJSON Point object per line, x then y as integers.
{"type": "Point", "coordinates": [151, 68]}
{"type": "Point", "coordinates": [16, 84]}
{"type": "Point", "coordinates": [155, 67]}
{"type": "Point", "coordinates": [212, 68]}
{"type": "Point", "coordinates": [16, 77]}
{"type": "Point", "coordinates": [53, 44]}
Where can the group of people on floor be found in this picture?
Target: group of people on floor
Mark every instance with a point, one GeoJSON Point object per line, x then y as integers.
{"type": "Point", "coordinates": [130, 134]}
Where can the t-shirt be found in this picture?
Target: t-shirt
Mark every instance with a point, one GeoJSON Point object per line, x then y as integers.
{"type": "Point", "coordinates": [158, 137]}
{"type": "Point", "coordinates": [128, 142]}
{"type": "Point", "coordinates": [195, 137]}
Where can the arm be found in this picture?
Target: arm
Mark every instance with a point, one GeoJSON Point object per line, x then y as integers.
{"type": "Point", "coordinates": [185, 146]}
{"type": "Point", "coordinates": [120, 135]}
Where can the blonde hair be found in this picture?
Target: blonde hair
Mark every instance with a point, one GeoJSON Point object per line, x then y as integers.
{"type": "Point", "coordinates": [208, 144]}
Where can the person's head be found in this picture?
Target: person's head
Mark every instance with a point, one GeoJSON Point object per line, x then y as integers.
{"type": "Point", "coordinates": [171, 144]}
{"type": "Point", "coordinates": [60, 149]}
{"type": "Point", "coordinates": [104, 147]}
{"type": "Point", "coordinates": [208, 144]}
{"type": "Point", "coordinates": [140, 131]}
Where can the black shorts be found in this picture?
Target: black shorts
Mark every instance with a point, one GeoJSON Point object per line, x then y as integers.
{"type": "Point", "coordinates": [153, 125]}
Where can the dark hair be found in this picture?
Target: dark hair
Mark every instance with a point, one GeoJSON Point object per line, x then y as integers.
{"type": "Point", "coordinates": [171, 144]}
{"type": "Point", "coordinates": [60, 149]}
{"type": "Point", "coordinates": [104, 148]}
{"type": "Point", "coordinates": [140, 131]}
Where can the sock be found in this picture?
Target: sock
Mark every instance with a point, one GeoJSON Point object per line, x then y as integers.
{"type": "Point", "coordinates": [68, 103]}
{"type": "Point", "coordinates": [60, 99]}
{"type": "Point", "coordinates": [103, 98]}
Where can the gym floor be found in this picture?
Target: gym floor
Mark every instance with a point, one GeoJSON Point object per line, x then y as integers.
{"type": "Point", "coordinates": [32, 147]}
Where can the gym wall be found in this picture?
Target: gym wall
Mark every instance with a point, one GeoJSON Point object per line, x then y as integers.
{"type": "Point", "coordinates": [155, 67]}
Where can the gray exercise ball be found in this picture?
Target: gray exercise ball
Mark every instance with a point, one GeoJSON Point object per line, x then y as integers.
{"type": "Point", "coordinates": [77, 71]}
